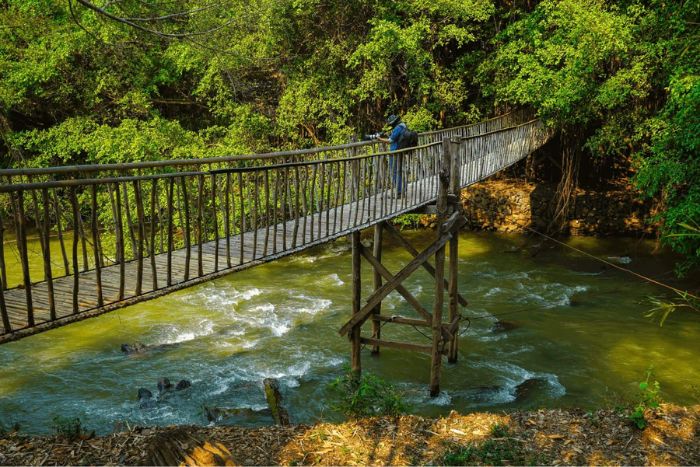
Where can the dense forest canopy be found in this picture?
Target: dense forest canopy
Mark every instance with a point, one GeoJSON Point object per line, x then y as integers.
{"type": "Point", "coordinates": [127, 80]}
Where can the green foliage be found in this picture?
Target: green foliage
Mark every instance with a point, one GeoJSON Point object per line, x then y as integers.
{"type": "Point", "coordinates": [672, 170]}
{"type": "Point", "coordinates": [407, 221]}
{"type": "Point", "coordinates": [649, 399]}
{"type": "Point", "coordinates": [500, 449]}
{"type": "Point", "coordinates": [500, 431]}
{"type": "Point", "coordinates": [625, 75]}
{"type": "Point", "coordinates": [664, 307]}
{"type": "Point", "coordinates": [70, 429]}
{"type": "Point", "coordinates": [367, 396]}
{"type": "Point", "coordinates": [559, 59]}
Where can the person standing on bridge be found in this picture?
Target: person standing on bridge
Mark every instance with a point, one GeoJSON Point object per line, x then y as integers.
{"type": "Point", "coordinates": [398, 128]}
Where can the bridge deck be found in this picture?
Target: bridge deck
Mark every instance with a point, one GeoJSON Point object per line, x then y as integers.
{"type": "Point", "coordinates": [327, 225]}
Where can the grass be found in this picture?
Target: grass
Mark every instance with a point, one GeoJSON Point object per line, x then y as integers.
{"type": "Point", "coordinates": [500, 449]}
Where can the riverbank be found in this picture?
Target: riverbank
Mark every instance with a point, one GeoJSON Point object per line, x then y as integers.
{"type": "Point", "coordinates": [512, 205]}
{"type": "Point", "coordinates": [570, 437]}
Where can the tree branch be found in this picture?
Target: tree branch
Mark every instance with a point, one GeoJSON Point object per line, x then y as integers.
{"type": "Point", "coordinates": [135, 25]}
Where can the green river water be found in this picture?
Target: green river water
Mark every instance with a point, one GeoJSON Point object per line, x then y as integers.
{"type": "Point", "coordinates": [577, 328]}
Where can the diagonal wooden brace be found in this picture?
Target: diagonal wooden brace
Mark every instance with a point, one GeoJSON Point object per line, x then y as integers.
{"type": "Point", "coordinates": [384, 290]}
{"type": "Point", "coordinates": [454, 222]}
{"type": "Point", "coordinates": [379, 267]}
{"type": "Point", "coordinates": [426, 265]}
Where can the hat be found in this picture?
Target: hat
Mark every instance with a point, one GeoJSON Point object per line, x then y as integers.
{"type": "Point", "coordinates": [393, 120]}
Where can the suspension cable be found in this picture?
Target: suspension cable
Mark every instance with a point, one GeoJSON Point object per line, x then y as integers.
{"type": "Point", "coordinates": [684, 293]}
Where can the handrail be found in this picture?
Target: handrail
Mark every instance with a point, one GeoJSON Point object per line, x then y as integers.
{"type": "Point", "coordinates": [93, 168]}
{"type": "Point", "coordinates": [432, 132]}
{"type": "Point", "coordinates": [170, 162]}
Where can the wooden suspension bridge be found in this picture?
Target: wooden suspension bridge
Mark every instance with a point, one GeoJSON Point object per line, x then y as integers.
{"type": "Point", "coordinates": [117, 234]}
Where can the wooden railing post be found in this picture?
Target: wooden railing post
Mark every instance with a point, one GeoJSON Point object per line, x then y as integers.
{"type": "Point", "coordinates": [455, 166]}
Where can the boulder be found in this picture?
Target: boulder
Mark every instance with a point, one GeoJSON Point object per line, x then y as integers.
{"type": "Point", "coordinates": [164, 385]}
{"type": "Point", "coordinates": [274, 401]}
{"type": "Point", "coordinates": [529, 388]}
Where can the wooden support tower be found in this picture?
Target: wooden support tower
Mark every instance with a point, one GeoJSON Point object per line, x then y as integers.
{"type": "Point", "coordinates": [444, 334]}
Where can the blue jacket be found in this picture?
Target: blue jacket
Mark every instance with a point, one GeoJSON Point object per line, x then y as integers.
{"type": "Point", "coordinates": [396, 135]}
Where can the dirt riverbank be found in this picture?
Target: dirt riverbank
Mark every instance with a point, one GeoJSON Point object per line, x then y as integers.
{"type": "Point", "coordinates": [571, 437]}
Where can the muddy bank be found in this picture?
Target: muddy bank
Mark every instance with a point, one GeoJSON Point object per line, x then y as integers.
{"type": "Point", "coordinates": [571, 437]}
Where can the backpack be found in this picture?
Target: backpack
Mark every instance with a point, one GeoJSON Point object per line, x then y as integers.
{"type": "Point", "coordinates": [408, 139]}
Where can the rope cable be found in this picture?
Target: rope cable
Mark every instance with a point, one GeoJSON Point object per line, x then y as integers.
{"type": "Point", "coordinates": [616, 266]}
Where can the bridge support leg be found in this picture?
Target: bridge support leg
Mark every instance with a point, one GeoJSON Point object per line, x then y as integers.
{"type": "Point", "coordinates": [356, 365]}
{"type": "Point", "coordinates": [377, 252]}
{"type": "Point", "coordinates": [438, 339]}
{"type": "Point", "coordinates": [444, 335]}
{"type": "Point", "coordinates": [453, 292]}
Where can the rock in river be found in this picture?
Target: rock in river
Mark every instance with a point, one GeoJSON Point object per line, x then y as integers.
{"type": "Point", "coordinates": [530, 388]}
{"type": "Point", "coordinates": [503, 326]}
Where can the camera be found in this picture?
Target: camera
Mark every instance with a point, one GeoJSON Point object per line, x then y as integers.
{"type": "Point", "coordinates": [373, 136]}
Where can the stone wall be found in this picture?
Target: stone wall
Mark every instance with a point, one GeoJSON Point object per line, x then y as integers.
{"type": "Point", "coordinates": [511, 205]}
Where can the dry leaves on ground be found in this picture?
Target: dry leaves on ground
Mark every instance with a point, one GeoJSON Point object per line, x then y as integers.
{"type": "Point", "coordinates": [570, 437]}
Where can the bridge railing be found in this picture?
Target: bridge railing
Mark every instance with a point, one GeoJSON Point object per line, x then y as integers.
{"type": "Point", "coordinates": [501, 122]}
{"type": "Point", "coordinates": [86, 243]}
{"type": "Point", "coordinates": [41, 174]}
{"type": "Point", "coordinates": [483, 155]}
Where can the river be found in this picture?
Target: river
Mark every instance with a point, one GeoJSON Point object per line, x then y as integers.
{"type": "Point", "coordinates": [573, 325]}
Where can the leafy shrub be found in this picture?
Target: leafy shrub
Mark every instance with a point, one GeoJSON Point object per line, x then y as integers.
{"type": "Point", "coordinates": [407, 221]}
{"type": "Point", "coordinates": [648, 399]}
{"type": "Point", "coordinates": [70, 428]}
{"type": "Point", "coordinates": [367, 396]}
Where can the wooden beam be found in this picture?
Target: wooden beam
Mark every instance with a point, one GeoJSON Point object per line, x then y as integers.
{"type": "Point", "coordinates": [404, 320]}
{"type": "Point", "coordinates": [426, 265]}
{"type": "Point", "coordinates": [455, 222]}
{"type": "Point", "coordinates": [356, 365]}
{"type": "Point", "coordinates": [397, 345]}
{"type": "Point", "coordinates": [397, 319]}
{"type": "Point", "coordinates": [379, 268]}
{"type": "Point", "coordinates": [377, 278]}
{"type": "Point", "coordinates": [452, 291]}
{"type": "Point", "coordinates": [379, 295]}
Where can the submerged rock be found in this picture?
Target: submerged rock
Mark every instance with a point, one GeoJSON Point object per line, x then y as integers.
{"type": "Point", "coordinates": [146, 400]}
{"type": "Point", "coordinates": [215, 414]}
{"type": "Point", "coordinates": [134, 348]}
{"type": "Point", "coordinates": [620, 259]}
{"type": "Point", "coordinates": [137, 348]}
{"type": "Point", "coordinates": [504, 326]}
{"type": "Point", "coordinates": [164, 385]}
{"type": "Point", "coordinates": [183, 384]}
